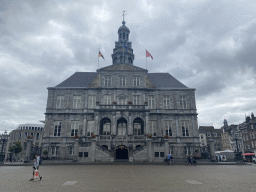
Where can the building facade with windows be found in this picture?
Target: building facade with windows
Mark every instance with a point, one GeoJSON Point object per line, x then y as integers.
{"type": "Point", "coordinates": [121, 112]}
{"type": "Point", "coordinates": [26, 133]}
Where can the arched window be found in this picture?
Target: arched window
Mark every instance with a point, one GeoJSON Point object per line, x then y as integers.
{"type": "Point", "coordinates": [105, 126]}
{"type": "Point", "coordinates": [138, 126]}
{"type": "Point", "coordinates": [121, 126]}
{"type": "Point", "coordinates": [123, 35]}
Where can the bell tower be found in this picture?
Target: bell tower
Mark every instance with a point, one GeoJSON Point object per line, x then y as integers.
{"type": "Point", "coordinates": [123, 52]}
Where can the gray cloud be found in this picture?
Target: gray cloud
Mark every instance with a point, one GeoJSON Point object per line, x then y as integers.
{"type": "Point", "coordinates": [207, 45]}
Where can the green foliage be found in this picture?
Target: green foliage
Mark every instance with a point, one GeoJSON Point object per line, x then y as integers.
{"type": "Point", "coordinates": [16, 147]}
{"type": "Point", "coordinates": [45, 152]}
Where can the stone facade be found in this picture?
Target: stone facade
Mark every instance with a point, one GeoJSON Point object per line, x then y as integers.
{"type": "Point", "coordinates": [30, 146]}
{"type": "Point", "coordinates": [121, 112]}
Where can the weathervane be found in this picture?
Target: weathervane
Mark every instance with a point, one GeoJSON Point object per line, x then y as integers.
{"type": "Point", "coordinates": [123, 15]}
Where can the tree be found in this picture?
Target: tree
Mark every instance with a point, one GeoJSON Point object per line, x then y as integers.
{"type": "Point", "coordinates": [15, 148]}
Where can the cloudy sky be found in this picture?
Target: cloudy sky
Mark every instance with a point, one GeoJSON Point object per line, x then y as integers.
{"type": "Point", "coordinates": [209, 45]}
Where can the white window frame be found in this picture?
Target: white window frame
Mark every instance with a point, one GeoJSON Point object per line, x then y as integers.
{"type": "Point", "coordinates": [60, 102]}
{"type": "Point", "coordinates": [152, 128]}
{"type": "Point", "coordinates": [57, 128]}
{"type": "Point", "coordinates": [185, 129]}
{"type": "Point", "coordinates": [183, 102]}
{"type": "Point", "coordinates": [76, 102]}
{"type": "Point", "coordinates": [122, 81]}
{"type": "Point", "coordinates": [166, 102]}
{"type": "Point", "coordinates": [107, 99]}
{"type": "Point", "coordinates": [107, 81]}
{"type": "Point", "coordinates": [74, 128]}
{"type": "Point", "coordinates": [136, 99]}
{"type": "Point", "coordinates": [151, 101]}
{"type": "Point", "coordinates": [92, 101]}
{"type": "Point", "coordinates": [55, 151]}
{"type": "Point", "coordinates": [136, 81]}
{"type": "Point", "coordinates": [90, 128]}
{"type": "Point", "coordinates": [168, 126]}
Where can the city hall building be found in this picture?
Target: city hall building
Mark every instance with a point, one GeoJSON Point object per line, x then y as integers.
{"type": "Point", "coordinates": [121, 112]}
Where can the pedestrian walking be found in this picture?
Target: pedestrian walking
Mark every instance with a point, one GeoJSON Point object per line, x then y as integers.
{"type": "Point", "coordinates": [36, 167]}
{"type": "Point", "coordinates": [169, 158]}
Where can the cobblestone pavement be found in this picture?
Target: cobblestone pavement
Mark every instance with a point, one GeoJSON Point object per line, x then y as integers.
{"type": "Point", "coordinates": [120, 177]}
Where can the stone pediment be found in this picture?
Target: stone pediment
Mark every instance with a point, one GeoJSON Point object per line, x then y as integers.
{"type": "Point", "coordinates": [122, 67]}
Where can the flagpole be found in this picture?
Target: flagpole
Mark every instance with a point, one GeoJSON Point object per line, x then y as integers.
{"type": "Point", "coordinates": [98, 58]}
{"type": "Point", "coordinates": [146, 60]}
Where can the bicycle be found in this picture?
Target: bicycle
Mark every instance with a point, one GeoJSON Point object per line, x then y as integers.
{"type": "Point", "coordinates": [192, 163]}
{"type": "Point", "coordinates": [166, 161]}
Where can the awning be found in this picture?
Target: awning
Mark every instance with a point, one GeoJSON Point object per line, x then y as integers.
{"type": "Point", "coordinates": [248, 154]}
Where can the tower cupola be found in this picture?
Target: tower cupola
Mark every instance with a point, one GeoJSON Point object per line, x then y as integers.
{"type": "Point", "coordinates": [123, 52]}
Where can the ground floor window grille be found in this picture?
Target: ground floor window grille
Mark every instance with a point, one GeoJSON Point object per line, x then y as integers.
{"type": "Point", "coordinates": [71, 150]}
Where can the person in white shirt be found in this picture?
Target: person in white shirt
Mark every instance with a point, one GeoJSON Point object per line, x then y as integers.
{"type": "Point", "coordinates": [36, 166]}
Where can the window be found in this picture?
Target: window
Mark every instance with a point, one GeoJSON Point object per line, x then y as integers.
{"type": "Point", "coordinates": [202, 136]}
{"type": "Point", "coordinates": [106, 127]}
{"type": "Point", "coordinates": [76, 102]}
{"type": "Point", "coordinates": [185, 132]}
{"type": "Point", "coordinates": [137, 127]}
{"type": "Point", "coordinates": [183, 104]}
{"type": "Point", "coordinates": [32, 134]}
{"type": "Point", "coordinates": [71, 150]}
{"type": "Point", "coordinates": [37, 136]}
{"type": "Point", "coordinates": [166, 104]}
{"type": "Point", "coordinates": [92, 102]}
{"type": "Point", "coordinates": [26, 134]}
{"type": "Point", "coordinates": [33, 128]}
{"type": "Point", "coordinates": [136, 100]}
{"type": "Point", "coordinates": [156, 154]}
{"type": "Point", "coordinates": [80, 154]}
{"type": "Point", "coordinates": [122, 81]}
{"type": "Point", "coordinates": [25, 146]}
{"type": "Point", "coordinates": [151, 102]}
{"type": "Point", "coordinates": [90, 125]}
{"type": "Point", "coordinates": [60, 102]}
{"type": "Point", "coordinates": [57, 128]}
{"type": "Point", "coordinates": [187, 150]}
{"type": "Point", "coordinates": [122, 102]}
{"type": "Point", "coordinates": [85, 154]}
{"type": "Point", "coordinates": [136, 81]}
{"type": "Point", "coordinates": [74, 128]}
{"type": "Point", "coordinates": [55, 151]}
{"type": "Point", "coordinates": [161, 154]}
{"type": "Point", "coordinates": [172, 149]}
{"type": "Point", "coordinates": [168, 130]}
{"type": "Point", "coordinates": [107, 99]}
{"type": "Point", "coordinates": [152, 128]}
{"type": "Point", "coordinates": [107, 81]}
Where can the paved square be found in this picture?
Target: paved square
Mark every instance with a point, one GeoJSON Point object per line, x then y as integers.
{"type": "Point", "coordinates": [130, 178]}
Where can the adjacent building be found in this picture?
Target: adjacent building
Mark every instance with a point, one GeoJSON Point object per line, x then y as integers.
{"type": "Point", "coordinates": [248, 131]}
{"type": "Point", "coordinates": [121, 112]}
{"type": "Point", "coordinates": [206, 133]}
{"type": "Point", "coordinates": [26, 133]}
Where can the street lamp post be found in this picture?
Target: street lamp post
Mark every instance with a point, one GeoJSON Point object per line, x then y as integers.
{"type": "Point", "coordinates": [238, 155]}
{"type": "Point", "coordinates": [4, 138]}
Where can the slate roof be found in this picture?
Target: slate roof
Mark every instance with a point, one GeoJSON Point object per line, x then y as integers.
{"type": "Point", "coordinates": [165, 80]}
{"type": "Point", "coordinates": [79, 79]}
{"type": "Point", "coordinates": [84, 79]}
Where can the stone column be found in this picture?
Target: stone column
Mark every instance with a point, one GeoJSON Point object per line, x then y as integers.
{"type": "Point", "coordinates": [129, 124]}
{"type": "Point", "coordinates": [76, 149]}
{"type": "Point", "coordinates": [146, 123]}
{"type": "Point", "coordinates": [93, 150]}
{"type": "Point", "coordinates": [28, 150]}
{"type": "Point", "coordinates": [166, 147]}
{"type": "Point", "coordinates": [212, 151]}
{"type": "Point", "coordinates": [149, 148]}
{"type": "Point", "coordinates": [130, 153]}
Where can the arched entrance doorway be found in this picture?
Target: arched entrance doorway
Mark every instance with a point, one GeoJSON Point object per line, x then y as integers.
{"type": "Point", "coordinates": [121, 126]}
{"type": "Point", "coordinates": [121, 152]}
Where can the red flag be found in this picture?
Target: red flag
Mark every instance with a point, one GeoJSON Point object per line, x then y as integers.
{"type": "Point", "coordinates": [148, 55]}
